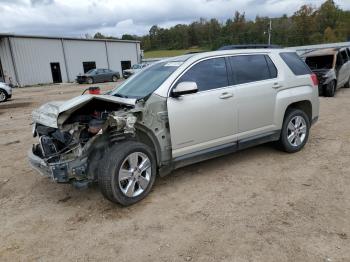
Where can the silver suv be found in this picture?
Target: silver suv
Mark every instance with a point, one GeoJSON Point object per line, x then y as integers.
{"type": "Point", "coordinates": [175, 113]}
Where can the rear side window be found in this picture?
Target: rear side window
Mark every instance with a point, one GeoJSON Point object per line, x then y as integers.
{"type": "Point", "coordinates": [295, 63]}
{"type": "Point", "coordinates": [208, 74]}
{"type": "Point", "coordinates": [251, 68]}
{"type": "Point", "coordinates": [272, 67]}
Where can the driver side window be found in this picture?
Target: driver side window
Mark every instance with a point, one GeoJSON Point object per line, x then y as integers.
{"type": "Point", "coordinates": [208, 74]}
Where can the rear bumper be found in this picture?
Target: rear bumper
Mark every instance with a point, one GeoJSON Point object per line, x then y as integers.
{"type": "Point", "coordinates": [314, 120]}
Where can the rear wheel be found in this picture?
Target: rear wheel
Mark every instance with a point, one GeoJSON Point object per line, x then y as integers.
{"type": "Point", "coordinates": [127, 173]}
{"type": "Point", "coordinates": [295, 131]}
{"type": "Point", "coordinates": [114, 78]}
{"type": "Point", "coordinates": [3, 96]}
{"type": "Point", "coordinates": [329, 89]}
{"type": "Point", "coordinates": [90, 80]}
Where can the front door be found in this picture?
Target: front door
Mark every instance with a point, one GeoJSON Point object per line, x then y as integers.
{"type": "Point", "coordinates": [206, 119]}
{"type": "Point", "coordinates": [56, 72]}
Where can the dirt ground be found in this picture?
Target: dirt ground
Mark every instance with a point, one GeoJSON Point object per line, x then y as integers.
{"type": "Point", "coordinates": [256, 205]}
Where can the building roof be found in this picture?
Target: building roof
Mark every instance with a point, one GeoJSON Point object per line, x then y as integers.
{"type": "Point", "coordinates": [3, 35]}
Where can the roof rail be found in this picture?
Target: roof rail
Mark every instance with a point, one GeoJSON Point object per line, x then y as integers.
{"type": "Point", "coordinates": [249, 46]}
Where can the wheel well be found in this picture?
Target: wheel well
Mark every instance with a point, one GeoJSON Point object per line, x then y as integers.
{"type": "Point", "coordinates": [304, 106]}
{"type": "Point", "coordinates": [143, 137]}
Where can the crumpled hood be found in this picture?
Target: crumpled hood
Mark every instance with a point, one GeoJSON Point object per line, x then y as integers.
{"type": "Point", "coordinates": [48, 113]}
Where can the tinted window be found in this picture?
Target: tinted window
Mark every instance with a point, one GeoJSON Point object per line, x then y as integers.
{"type": "Point", "coordinates": [249, 68]}
{"type": "Point", "coordinates": [295, 63]}
{"type": "Point", "coordinates": [344, 56]}
{"type": "Point", "coordinates": [339, 60]}
{"type": "Point", "coordinates": [208, 74]}
{"type": "Point", "coordinates": [272, 67]}
{"type": "Point", "coordinates": [348, 51]}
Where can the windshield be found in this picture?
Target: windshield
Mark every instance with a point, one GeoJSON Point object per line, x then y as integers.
{"type": "Point", "coordinates": [136, 66]}
{"type": "Point", "coordinates": [147, 81]}
{"type": "Point", "coordinates": [320, 62]}
{"type": "Point", "coordinates": [90, 71]}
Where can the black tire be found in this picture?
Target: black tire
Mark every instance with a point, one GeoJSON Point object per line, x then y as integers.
{"type": "Point", "coordinates": [329, 89]}
{"type": "Point", "coordinates": [3, 96]}
{"type": "Point", "coordinates": [284, 143]}
{"type": "Point", "coordinates": [108, 177]}
{"type": "Point", "coordinates": [90, 80]}
{"type": "Point", "coordinates": [114, 78]}
{"type": "Point", "coordinates": [347, 85]}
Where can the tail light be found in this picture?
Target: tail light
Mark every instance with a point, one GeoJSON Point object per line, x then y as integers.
{"type": "Point", "coordinates": [314, 79]}
{"type": "Point", "coordinates": [94, 90]}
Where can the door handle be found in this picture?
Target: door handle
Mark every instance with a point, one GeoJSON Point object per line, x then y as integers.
{"type": "Point", "coordinates": [276, 85]}
{"type": "Point", "coordinates": [226, 95]}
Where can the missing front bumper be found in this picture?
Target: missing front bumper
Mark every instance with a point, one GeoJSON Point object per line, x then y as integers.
{"type": "Point", "coordinates": [64, 172]}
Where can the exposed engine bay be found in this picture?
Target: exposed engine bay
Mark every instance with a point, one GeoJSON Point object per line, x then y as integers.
{"type": "Point", "coordinates": [68, 146]}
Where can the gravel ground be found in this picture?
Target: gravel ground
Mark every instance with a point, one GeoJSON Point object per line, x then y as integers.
{"type": "Point", "coordinates": [256, 205]}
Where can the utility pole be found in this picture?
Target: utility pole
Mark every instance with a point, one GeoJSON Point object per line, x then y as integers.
{"type": "Point", "coordinates": [270, 29]}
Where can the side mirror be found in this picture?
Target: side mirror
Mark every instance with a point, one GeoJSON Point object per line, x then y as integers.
{"type": "Point", "coordinates": [184, 88]}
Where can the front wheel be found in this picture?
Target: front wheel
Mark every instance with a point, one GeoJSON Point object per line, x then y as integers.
{"type": "Point", "coordinates": [127, 174]}
{"type": "Point", "coordinates": [295, 131]}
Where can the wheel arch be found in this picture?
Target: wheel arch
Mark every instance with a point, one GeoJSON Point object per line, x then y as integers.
{"type": "Point", "coordinates": [3, 90]}
{"type": "Point", "coordinates": [304, 105]}
{"type": "Point", "coordinates": [144, 135]}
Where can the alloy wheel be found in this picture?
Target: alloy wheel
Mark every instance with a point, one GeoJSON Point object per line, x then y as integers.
{"type": "Point", "coordinates": [296, 131]}
{"type": "Point", "coordinates": [134, 174]}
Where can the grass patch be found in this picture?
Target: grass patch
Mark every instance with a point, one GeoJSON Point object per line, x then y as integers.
{"type": "Point", "coordinates": [170, 53]}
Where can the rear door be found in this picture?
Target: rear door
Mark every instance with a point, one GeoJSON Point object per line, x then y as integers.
{"type": "Point", "coordinates": [206, 119]}
{"type": "Point", "coordinates": [257, 82]}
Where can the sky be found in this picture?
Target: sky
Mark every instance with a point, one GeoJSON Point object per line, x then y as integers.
{"type": "Point", "coordinates": [118, 17]}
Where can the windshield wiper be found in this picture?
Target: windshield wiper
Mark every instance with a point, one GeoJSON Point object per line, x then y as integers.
{"type": "Point", "coordinates": [122, 96]}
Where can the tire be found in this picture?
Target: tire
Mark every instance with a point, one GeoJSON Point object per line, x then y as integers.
{"type": "Point", "coordinates": [291, 120]}
{"type": "Point", "coordinates": [126, 156]}
{"type": "Point", "coordinates": [329, 89]}
{"type": "Point", "coordinates": [3, 96]}
{"type": "Point", "coordinates": [347, 85]}
{"type": "Point", "coordinates": [114, 78]}
{"type": "Point", "coordinates": [90, 80]}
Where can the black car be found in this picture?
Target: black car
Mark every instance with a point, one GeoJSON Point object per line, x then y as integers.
{"type": "Point", "coordinates": [98, 75]}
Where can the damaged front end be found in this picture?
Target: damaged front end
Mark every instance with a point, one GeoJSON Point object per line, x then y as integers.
{"type": "Point", "coordinates": [73, 136]}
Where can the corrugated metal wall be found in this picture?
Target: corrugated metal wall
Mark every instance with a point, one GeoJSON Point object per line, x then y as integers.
{"type": "Point", "coordinates": [6, 60]}
{"type": "Point", "coordinates": [118, 52]}
{"type": "Point", "coordinates": [78, 52]}
{"type": "Point", "coordinates": [32, 57]}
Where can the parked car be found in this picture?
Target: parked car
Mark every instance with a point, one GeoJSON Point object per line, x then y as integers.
{"type": "Point", "coordinates": [98, 75]}
{"type": "Point", "coordinates": [175, 113]}
{"type": "Point", "coordinates": [332, 67]}
{"type": "Point", "coordinates": [5, 92]}
{"type": "Point", "coordinates": [134, 69]}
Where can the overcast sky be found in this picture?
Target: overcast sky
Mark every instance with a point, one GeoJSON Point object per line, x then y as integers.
{"type": "Point", "coordinates": [117, 17]}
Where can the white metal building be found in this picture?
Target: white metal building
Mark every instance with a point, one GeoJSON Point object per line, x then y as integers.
{"type": "Point", "coordinates": [30, 60]}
